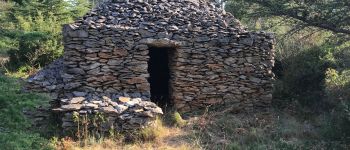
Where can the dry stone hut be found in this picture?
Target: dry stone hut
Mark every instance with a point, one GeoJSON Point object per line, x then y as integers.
{"type": "Point", "coordinates": [185, 53]}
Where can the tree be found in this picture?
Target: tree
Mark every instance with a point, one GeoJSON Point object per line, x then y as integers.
{"type": "Point", "coordinates": [35, 26]}
{"type": "Point", "coordinates": [330, 15]}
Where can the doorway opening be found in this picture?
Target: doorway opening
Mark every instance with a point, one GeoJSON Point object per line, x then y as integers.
{"type": "Point", "coordinates": [158, 68]}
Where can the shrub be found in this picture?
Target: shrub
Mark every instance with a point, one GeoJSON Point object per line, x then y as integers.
{"type": "Point", "coordinates": [234, 146]}
{"type": "Point", "coordinates": [35, 49]}
{"type": "Point", "coordinates": [303, 77]}
{"type": "Point", "coordinates": [177, 119]}
{"type": "Point", "coordinates": [152, 133]}
{"type": "Point", "coordinates": [337, 86]}
{"type": "Point", "coordinates": [336, 125]}
{"type": "Point", "coordinates": [6, 44]}
{"type": "Point", "coordinates": [23, 140]}
{"type": "Point", "coordinates": [147, 134]}
{"type": "Point", "coordinates": [31, 30]}
{"type": "Point", "coordinates": [14, 133]}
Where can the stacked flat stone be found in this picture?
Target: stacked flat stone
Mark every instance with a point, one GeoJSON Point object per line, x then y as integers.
{"type": "Point", "coordinates": [122, 114]}
{"type": "Point", "coordinates": [49, 79]}
{"type": "Point", "coordinates": [215, 61]}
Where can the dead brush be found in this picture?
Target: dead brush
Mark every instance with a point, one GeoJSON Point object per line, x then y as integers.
{"type": "Point", "coordinates": [66, 143]}
{"type": "Point", "coordinates": [153, 132]}
{"type": "Point", "coordinates": [84, 124]}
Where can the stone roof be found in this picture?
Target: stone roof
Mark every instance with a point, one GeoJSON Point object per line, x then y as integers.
{"type": "Point", "coordinates": [184, 16]}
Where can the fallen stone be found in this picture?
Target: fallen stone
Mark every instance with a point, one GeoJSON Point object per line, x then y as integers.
{"type": "Point", "coordinates": [130, 103]}
{"type": "Point", "coordinates": [124, 99]}
{"type": "Point", "coordinates": [71, 107]}
{"type": "Point", "coordinates": [120, 108]}
{"type": "Point", "coordinates": [79, 94]}
{"type": "Point", "coordinates": [113, 103]}
{"type": "Point", "coordinates": [76, 100]}
{"type": "Point", "coordinates": [109, 109]}
{"type": "Point", "coordinates": [90, 105]}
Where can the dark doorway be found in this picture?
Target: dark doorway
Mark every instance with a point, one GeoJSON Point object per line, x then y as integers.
{"type": "Point", "coordinates": [158, 68]}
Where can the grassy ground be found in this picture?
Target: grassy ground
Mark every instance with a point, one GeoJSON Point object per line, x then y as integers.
{"type": "Point", "coordinates": [161, 137]}
{"type": "Point", "coordinates": [275, 131]}
{"type": "Point", "coordinates": [208, 130]}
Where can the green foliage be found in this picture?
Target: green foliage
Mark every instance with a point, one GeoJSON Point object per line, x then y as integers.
{"type": "Point", "coordinates": [80, 7]}
{"type": "Point", "coordinates": [84, 124]}
{"type": "Point", "coordinates": [312, 63]}
{"type": "Point", "coordinates": [330, 15]}
{"type": "Point", "coordinates": [301, 58]}
{"type": "Point", "coordinates": [341, 54]}
{"type": "Point", "coordinates": [338, 85]}
{"type": "Point", "coordinates": [338, 95]}
{"type": "Point", "coordinates": [234, 146]}
{"type": "Point", "coordinates": [23, 141]}
{"type": "Point", "coordinates": [239, 8]}
{"type": "Point", "coordinates": [32, 34]}
{"type": "Point", "coordinates": [14, 133]}
{"type": "Point", "coordinates": [235, 131]}
{"type": "Point", "coordinates": [303, 77]}
{"type": "Point", "coordinates": [177, 119]}
{"type": "Point", "coordinates": [35, 49]}
{"type": "Point", "coordinates": [8, 41]}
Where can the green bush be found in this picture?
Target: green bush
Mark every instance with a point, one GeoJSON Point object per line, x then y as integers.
{"type": "Point", "coordinates": [338, 95]}
{"type": "Point", "coordinates": [302, 77]}
{"type": "Point", "coordinates": [8, 41]}
{"type": "Point", "coordinates": [23, 141]}
{"type": "Point", "coordinates": [177, 119]}
{"type": "Point", "coordinates": [31, 30]}
{"type": "Point", "coordinates": [14, 133]}
{"type": "Point", "coordinates": [35, 49]}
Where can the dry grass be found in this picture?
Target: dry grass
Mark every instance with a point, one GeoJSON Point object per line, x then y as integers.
{"type": "Point", "coordinates": [217, 130]}
{"type": "Point", "coordinates": [157, 137]}
{"type": "Point", "coordinates": [172, 141]}
{"type": "Point", "coordinates": [111, 145]}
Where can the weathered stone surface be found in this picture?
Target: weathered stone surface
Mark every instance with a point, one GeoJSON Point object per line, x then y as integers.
{"type": "Point", "coordinates": [135, 80]}
{"type": "Point", "coordinates": [109, 109]}
{"type": "Point", "coordinates": [124, 99]}
{"type": "Point", "coordinates": [120, 108]}
{"type": "Point", "coordinates": [78, 34]}
{"type": "Point", "coordinates": [79, 94]}
{"type": "Point", "coordinates": [139, 114]}
{"type": "Point", "coordinates": [76, 100]}
{"type": "Point", "coordinates": [90, 105]}
{"type": "Point", "coordinates": [247, 41]}
{"type": "Point", "coordinates": [71, 107]}
{"type": "Point", "coordinates": [120, 52]}
{"type": "Point", "coordinates": [113, 62]}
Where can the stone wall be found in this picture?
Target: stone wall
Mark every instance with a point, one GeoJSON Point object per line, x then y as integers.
{"type": "Point", "coordinates": [216, 61]}
{"type": "Point", "coordinates": [238, 72]}
{"type": "Point", "coordinates": [122, 114]}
